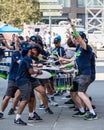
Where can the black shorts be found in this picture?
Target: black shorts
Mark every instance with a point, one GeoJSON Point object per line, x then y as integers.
{"type": "Point", "coordinates": [11, 89]}
{"type": "Point", "coordinates": [26, 91]}
{"type": "Point", "coordinates": [44, 81]}
{"type": "Point", "coordinates": [81, 83]}
{"type": "Point", "coordinates": [35, 82]}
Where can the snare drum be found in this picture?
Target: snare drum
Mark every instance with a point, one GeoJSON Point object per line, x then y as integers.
{"type": "Point", "coordinates": [44, 75]}
{"type": "Point", "coordinates": [8, 53]}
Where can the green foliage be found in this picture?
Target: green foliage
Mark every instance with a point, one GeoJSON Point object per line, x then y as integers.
{"type": "Point", "coordinates": [16, 12]}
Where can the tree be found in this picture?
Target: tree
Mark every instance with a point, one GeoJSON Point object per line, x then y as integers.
{"type": "Point", "coordinates": [17, 12]}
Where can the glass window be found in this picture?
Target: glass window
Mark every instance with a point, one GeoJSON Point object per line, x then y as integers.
{"type": "Point", "coordinates": [67, 3]}
{"type": "Point", "coordinates": [61, 2]}
{"type": "Point", "coordinates": [82, 17]}
{"type": "Point", "coordinates": [81, 3]}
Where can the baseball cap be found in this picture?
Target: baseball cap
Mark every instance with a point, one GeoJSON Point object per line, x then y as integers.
{"type": "Point", "coordinates": [21, 37]}
{"type": "Point", "coordinates": [83, 36]}
{"type": "Point", "coordinates": [1, 35]}
{"type": "Point", "coordinates": [23, 44]}
{"type": "Point", "coordinates": [34, 39]}
{"type": "Point", "coordinates": [26, 49]}
{"type": "Point", "coordinates": [57, 39]}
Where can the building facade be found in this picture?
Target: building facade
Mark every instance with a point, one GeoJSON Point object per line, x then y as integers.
{"type": "Point", "coordinates": [70, 9]}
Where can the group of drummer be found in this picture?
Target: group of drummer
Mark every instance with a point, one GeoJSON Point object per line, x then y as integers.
{"type": "Point", "coordinates": [21, 83]}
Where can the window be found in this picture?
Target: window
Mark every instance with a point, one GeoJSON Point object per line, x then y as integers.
{"type": "Point", "coordinates": [82, 17]}
{"type": "Point", "coordinates": [81, 3]}
{"type": "Point", "coordinates": [67, 3]}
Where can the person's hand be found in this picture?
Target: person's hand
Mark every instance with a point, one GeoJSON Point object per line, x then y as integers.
{"type": "Point", "coordinates": [61, 59]}
{"type": "Point", "coordinates": [62, 67]}
{"type": "Point", "coordinates": [40, 65]}
{"type": "Point", "coordinates": [72, 26]}
{"type": "Point", "coordinates": [39, 72]}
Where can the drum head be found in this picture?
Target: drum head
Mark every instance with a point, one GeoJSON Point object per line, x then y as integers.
{"type": "Point", "coordinates": [44, 75]}
{"type": "Point", "coordinates": [69, 70]}
{"type": "Point", "coordinates": [48, 67]}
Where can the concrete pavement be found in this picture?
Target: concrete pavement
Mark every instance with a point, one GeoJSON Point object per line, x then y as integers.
{"type": "Point", "coordinates": [62, 118]}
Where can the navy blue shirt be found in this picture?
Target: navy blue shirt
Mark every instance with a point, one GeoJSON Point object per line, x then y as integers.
{"type": "Point", "coordinates": [16, 55]}
{"type": "Point", "coordinates": [61, 53]}
{"type": "Point", "coordinates": [23, 75]}
{"type": "Point", "coordinates": [93, 70]}
{"type": "Point", "coordinates": [83, 59]}
{"type": "Point", "coordinates": [2, 50]}
{"type": "Point", "coordinates": [60, 50]}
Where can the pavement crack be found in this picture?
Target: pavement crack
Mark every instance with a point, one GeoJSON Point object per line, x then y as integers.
{"type": "Point", "coordinates": [56, 121]}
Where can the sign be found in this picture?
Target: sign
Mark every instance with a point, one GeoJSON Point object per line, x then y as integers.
{"type": "Point", "coordinates": [55, 7]}
{"type": "Point", "coordinates": [52, 14]}
{"type": "Point", "coordinates": [45, 1]}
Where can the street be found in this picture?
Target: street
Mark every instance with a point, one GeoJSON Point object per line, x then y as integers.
{"type": "Point", "coordinates": [62, 118]}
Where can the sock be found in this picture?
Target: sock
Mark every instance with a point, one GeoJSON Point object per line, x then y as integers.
{"type": "Point", "coordinates": [81, 110]}
{"type": "Point", "coordinates": [92, 111]}
{"type": "Point", "coordinates": [31, 114]}
{"type": "Point", "coordinates": [18, 116]}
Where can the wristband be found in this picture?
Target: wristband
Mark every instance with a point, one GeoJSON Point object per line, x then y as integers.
{"type": "Point", "coordinates": [76, 34]}
{"type": "Point", "coordinates": [69, 65]}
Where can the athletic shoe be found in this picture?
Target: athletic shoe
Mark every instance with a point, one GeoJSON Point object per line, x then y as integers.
{"type": "Point", "coordinates": [1, 115]}
{"type": "Point", "coordinates": [70, 101]}
{"type": "Point", "coordinates": [11, 112]}
{"type": "Point", "coordinates": [68, 96]}
{"type": "Point", "coordinates": [20, 122]}
{"type": "Point", "coordinates": [72, 107]}
{"type": "Point", "coordinates": [53, 103]}
{"type": "Point", "coordinates": [31, 119]}
{"type": "Point", "coordinates": [37, 117]}
{"type": "Point", "coordinates": [42, 106]}
{"type": "Point", "coordinates": [79, 114]}
{"type": "Point", "coordinates": [90, 117]}
{"type": "Point", "coordinates": [48, 110]}
{"type": "Point", "coordinates": [59, 93]}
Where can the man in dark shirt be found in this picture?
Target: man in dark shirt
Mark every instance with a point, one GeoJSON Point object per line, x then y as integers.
{"type": "Point", "coordinates": [12, 88]}
{"type": "Point", "coordinates": [25, 84]}
{"type": "Point", "coordinates": [86, 65]}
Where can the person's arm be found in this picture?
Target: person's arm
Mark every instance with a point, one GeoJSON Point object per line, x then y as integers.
{"type": "Point", "coordinates": [69, 65]}
{"type": "Point", "coordinates": [66, 60]}
{"type": "Point", "coordinates": [31, 71]}
{"type": "Point", "coordinates": [7, 45]}
{"type": "Point", "coordinates": [78, 37]}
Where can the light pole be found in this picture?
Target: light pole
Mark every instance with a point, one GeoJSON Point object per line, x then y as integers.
{"type": "Point", "coordinates": [50, 22]}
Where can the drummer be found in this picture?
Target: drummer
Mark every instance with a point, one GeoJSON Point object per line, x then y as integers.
{"type": "Point", "coordinates": [24, 83]}
{"type": "Point", "coordinates": [58, 51]}
{"type": "Point", "coordinates": [44, 82]}
{"type": "Point", "coordinates": [86, 64]}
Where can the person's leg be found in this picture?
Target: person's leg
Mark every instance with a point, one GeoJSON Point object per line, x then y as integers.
{"type": "Point", "coordinates": [16, 99]}
{"type": "Point", "coordinates": [77, 100]}
{"type": "Point", "coordinates": [11, 89]}
{"type": "Point", "coordinates": [22, 106]}
{"type": "Point", "coordinates": [25, 95]}
{"type": "Point", "coordinates": [41, 106]}
{"type": "Point", "coordinates": [42, 91]}
{"type": "Point", "coordinates": [5, 103]}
